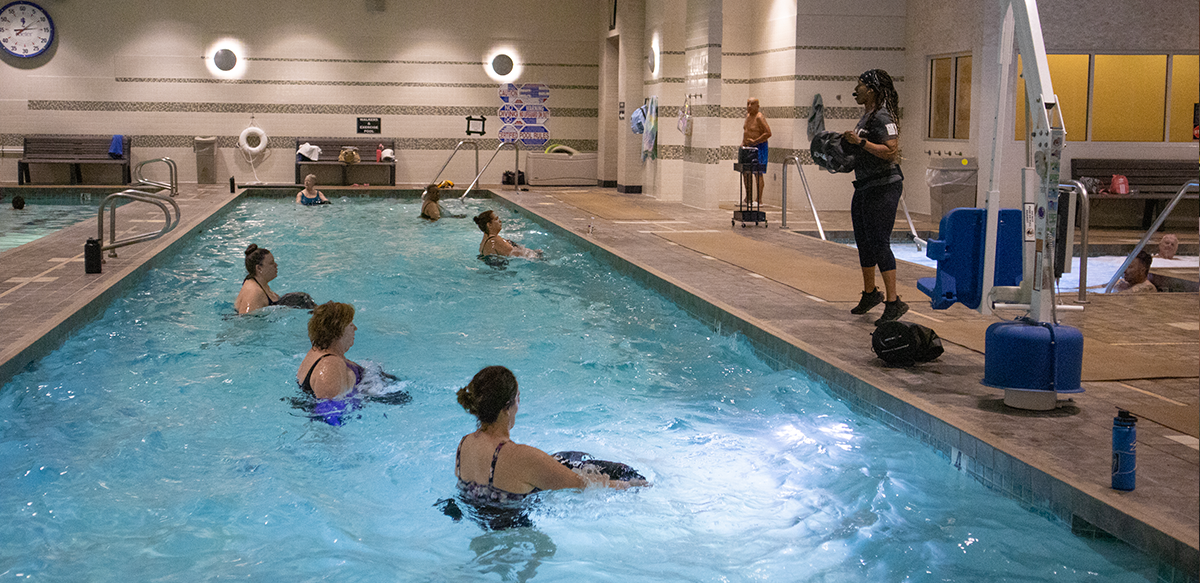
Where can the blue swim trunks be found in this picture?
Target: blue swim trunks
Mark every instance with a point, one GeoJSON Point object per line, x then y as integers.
{"type": "Point", "coordinates": [762, 157]}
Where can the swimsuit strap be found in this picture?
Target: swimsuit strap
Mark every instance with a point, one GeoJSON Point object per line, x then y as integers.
{"type": "Point", "coordinates": [270, 302]}
{"type": "Point", "coordinates": [305, 385]}
{"type": "Point", "coordinates": [495, 456]}
{"type": "Point", "coordinates": [458, 458]}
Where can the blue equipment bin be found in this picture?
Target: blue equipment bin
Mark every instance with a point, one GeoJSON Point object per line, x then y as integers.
{"type": "Point", "coordinates": [1028, 355]}
{"type": "Point", "coordinates": [959, 253]}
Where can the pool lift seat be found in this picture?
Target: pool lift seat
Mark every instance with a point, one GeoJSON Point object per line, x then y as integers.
{"type": "Point", "coordinates": [1032, 358]}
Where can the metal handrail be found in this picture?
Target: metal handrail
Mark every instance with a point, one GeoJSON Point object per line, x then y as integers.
{"type": "Point", "coordinates": [912, 229]}
{"type": "Point", "coordinates": [516, 167]}
{"type": "Point", "coordinates": [783, 224]}
{"type": "Point", "coordinates": [452, 154]}
{"type": "Point", "coordinates": [130, 194]}
{"type": "Point", "coordinates": [1084, 222]}
{"type": "Point", "coordinates": [173, 186]}
{"type": "Point", "coordinates": [1150, 233]}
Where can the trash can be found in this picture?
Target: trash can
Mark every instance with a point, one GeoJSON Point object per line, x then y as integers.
{"type": "Point", "coordinates": [206, 160]}
{"type": "Point", "coordinates": [952, 184]}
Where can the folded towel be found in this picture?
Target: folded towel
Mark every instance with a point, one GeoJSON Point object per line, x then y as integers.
{"type": "Point", "coordinates": [116, 149]}
{"type": "Point", "coordinates": [309, 151]}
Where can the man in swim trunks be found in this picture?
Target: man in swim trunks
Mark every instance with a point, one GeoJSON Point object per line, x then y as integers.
{"type": "Point", "coordinates": [755, 133]}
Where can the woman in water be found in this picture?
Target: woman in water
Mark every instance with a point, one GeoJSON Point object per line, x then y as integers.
{"type": "Point", "coordinates": [310, 196]}
{"type": "Point", "coordinates": [878, 185]}
{"type": "Point", "coordinates": [256, 288]}
{"type": "Point", "coordinates": [325, 372]}
{"type": "Point", "coordinates": [429, 205]}
{"type": "Point", "coordinates": [494, 244]}
{"type": "Point", "coordinates": [494, 470]}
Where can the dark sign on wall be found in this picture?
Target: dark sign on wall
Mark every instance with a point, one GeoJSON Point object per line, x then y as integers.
{"type": "Point", "coordinates": [368, 125]}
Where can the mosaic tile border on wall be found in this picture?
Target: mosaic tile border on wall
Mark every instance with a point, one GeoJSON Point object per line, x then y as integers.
{"type": "Point", "coordinates": [285, 108]}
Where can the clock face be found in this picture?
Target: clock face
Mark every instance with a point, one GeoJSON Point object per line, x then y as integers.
{"type": "Point", "coordinates": [25, 29]}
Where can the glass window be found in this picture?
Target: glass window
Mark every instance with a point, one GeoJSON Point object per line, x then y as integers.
{"type": "Point", "coordinates": [1069, 75]}
{"type": "Point", "coordinates": [1185, 95]}
{"type": "Point", "coordinates": [950, 97]}
{"type": "Point", "coordinates": [1129, 98]}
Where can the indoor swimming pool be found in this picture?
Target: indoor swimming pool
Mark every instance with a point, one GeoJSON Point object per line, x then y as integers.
{"type": "Point", "coordinates": [159, 442]}
{"type": "Point", "coordinates": [42, 216]}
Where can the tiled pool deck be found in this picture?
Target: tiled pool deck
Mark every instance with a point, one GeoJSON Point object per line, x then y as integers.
{"type": "Point", "coordinates": [1056, 463]}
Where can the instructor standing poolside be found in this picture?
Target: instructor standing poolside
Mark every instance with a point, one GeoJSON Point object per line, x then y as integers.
{"type": "Point", "coordinates": [755, 133]}
{"type": "Point", "coordinates": [878, 185]}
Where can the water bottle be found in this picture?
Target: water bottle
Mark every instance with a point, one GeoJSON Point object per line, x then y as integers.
{"type": "Point", "coordinates": [1124, 445]}
{"type": "Point", "coordinates": [379, 153]}
{"type": "Point", "coordinates": [91, 256]}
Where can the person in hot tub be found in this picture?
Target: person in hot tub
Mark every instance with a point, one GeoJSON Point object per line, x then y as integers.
{"type": "Point", "coordinates": [256, 290]}
{"type": "Point", "coordinates": [494, 244]}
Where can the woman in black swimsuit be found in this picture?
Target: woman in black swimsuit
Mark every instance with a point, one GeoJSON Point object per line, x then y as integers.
{"type": "Point", "coordinates": [256, 288]}
{"type": "Point", "coordinates": [494, 244]}
{"type": "Point", "coordinates": [494, 470]}
{"type": "Point", "coordinates": [325, 372]}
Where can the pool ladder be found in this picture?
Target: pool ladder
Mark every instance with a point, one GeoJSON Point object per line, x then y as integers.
{"type": "Point", "coordinates": [478, 173]}
{"type": "Point", "coordinates": [173, 186]}
{"type": "Point", "coordinates": [161, 201]}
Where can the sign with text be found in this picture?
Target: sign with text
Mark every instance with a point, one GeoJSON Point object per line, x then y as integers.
{"type": "Point", "coordinates": [523, 115]}
{"type": "Point", "coordinates": [369, 125]}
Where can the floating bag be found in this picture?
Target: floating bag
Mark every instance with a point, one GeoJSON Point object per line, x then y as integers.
{"type": "Point", "coordinates": [905, 343]}
{"type": "Point", "coordinates": [1119, 184]}
{"type": "Point", "coordinates": [831, 152]}
{"type": "Point", "coordinates": [349, 155]}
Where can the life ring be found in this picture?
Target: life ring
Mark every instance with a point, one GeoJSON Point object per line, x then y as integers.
{"type": "Point", "coordinates": [253, 131]}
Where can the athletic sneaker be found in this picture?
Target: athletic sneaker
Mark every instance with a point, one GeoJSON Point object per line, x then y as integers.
{"type": "Point", "coordinates": [869, 300]}
{"type": "Point", "coordinates": [892, 311]}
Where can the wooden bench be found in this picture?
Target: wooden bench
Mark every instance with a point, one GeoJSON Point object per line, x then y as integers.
{"type": "Point", "coordinates": [1155, 182]}
{"type": "Point", "coordinates": [350, 173]}
{"type": "Point", "coordinates": [73, 150]}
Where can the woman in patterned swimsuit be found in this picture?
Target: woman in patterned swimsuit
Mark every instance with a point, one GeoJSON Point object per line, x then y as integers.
{"type": "Point", "coordinates": [492, 469]}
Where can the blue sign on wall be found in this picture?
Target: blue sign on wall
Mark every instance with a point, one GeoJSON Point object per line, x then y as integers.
{"type": "Point", "coordinates": [532, 135]}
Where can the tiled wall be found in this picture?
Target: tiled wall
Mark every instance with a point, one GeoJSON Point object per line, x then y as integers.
{"type": "Point", "coordinates": [312, 68]}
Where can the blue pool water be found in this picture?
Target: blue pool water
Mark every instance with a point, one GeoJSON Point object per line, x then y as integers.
{"type": "Point", "coordinates": [42, 216]}
{"type": "Point", "coordinates": [158, 443]}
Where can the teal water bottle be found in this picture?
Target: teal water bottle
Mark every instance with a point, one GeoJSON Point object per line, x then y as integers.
{"type": "Point", "coordinates": [1124, 447]}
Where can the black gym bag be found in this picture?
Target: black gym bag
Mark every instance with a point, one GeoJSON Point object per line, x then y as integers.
{"type": "Point", "coordinates": [905, 343]}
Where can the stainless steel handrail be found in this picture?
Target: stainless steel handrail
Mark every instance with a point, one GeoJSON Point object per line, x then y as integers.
{"type": "Point", "coordinates": [912, 229]}
{"type": "Point", "coordinates": [1084, 222]}
{"type": "Point", "coordinates": [516, 167]}
{"type": "Point", "coordinates": [131, 194]}
{"type": "Point", "coordinates": [173, 186]}
{"type": "Point", "coordinates": [452, 154]}
{"type": "Point", "coordinates": [1150, 233]}
{"type": "Point", "coordinates": [804, 181]}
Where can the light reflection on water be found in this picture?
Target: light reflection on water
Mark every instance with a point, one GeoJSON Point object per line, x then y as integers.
{"type": "Point", "coordinates": [160, 435]}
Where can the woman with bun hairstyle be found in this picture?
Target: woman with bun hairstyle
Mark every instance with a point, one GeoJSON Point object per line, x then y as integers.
{"type": "Point", "coordinates": [256, 288]}
{"type": "Point", "coordinates": [494, 470]}
{"type": "Point", "coordinates": [493, 244]}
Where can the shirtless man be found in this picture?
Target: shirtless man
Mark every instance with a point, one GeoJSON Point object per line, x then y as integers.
{"type": "Point", "coordinates": [755, 133]}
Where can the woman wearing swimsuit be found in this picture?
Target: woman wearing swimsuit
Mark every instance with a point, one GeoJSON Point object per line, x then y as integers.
{"type": "Point", "coordinates": [429, 206]}
{"type": "Point", "coordinates": [494, 244]}
{"type": "Point", "coordinates": [256, 288]}
{"type": "Point", "coordinates": [491, 468]}
{"type": "Point", "coordinates": [325, 372]}
{"type": "Point", "coordinates": [310, 196]}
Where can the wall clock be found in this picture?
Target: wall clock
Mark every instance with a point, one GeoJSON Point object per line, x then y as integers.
{"type": "Point", "coordinates": [26, 30]}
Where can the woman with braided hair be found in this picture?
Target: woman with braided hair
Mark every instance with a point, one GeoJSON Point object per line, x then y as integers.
{"type": "Point", "coordinates": [878, 185]}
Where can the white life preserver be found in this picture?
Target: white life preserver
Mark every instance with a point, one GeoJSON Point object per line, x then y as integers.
{"type": "Point", "coordinates": [253, 131]}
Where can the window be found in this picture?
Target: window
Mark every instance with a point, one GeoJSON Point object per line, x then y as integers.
{"type": "Point", "coordinates": [950, 97]}
{"type": "Point", "coordinates": [1121, 98]}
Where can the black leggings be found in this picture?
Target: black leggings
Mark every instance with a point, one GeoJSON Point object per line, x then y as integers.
{"type": "Point", "coordinates": [873, 212]}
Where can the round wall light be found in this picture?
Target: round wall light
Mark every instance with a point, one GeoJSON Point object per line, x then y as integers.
{"type": "Point", "coordinates": [503, 65]}
{"type": "Point", "coordinates": [225, 59]}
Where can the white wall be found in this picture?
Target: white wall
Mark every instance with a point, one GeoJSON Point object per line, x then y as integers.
{"type": "Point", "coordinates": [312, 68]}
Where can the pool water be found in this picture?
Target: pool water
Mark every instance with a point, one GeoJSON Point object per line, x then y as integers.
{"type": "Point", "coordinates": [158, 442]}
{"type": "Point", "coordinates": [42, 216]}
